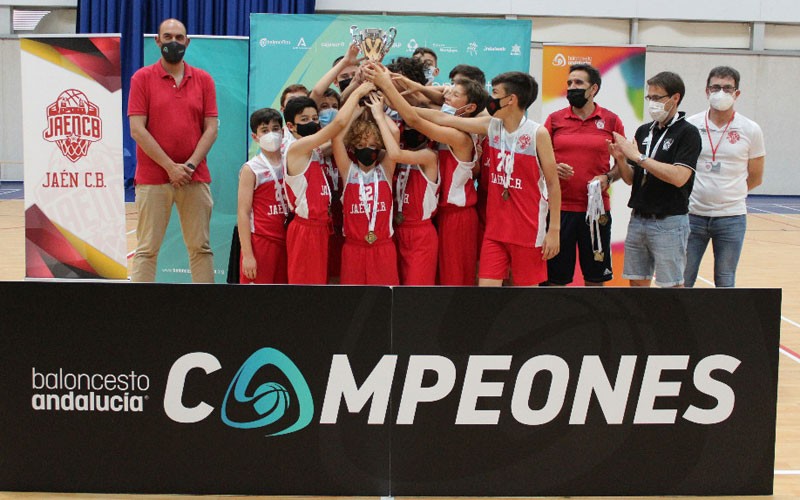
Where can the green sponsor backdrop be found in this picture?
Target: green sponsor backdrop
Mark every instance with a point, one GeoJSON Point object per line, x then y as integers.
{"type": "Point", "coordinates": [225, 59]}
{"type": "Point", "coordinates": [300, 48]}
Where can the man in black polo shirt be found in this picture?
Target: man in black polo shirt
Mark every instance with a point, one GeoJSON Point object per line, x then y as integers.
{"type": "Point", "coordinates": [660, 166]}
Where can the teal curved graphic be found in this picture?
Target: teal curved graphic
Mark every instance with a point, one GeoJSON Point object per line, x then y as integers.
{"type": "Point", "coordinates": [269, 400]}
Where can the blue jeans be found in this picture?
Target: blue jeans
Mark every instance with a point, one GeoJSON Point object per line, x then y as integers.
{"type": "Point", "coordinates": [727, 238]}
{"type": "Point", "coordinates": [656, 246]}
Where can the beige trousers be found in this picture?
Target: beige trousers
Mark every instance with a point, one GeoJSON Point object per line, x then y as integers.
{"type": "Point", "coordinates": [154, 203]}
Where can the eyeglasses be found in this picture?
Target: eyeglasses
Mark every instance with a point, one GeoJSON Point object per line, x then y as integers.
{"type": "Point", "coordinates": [728, 89]}
{"type": "Point", "coordinates": [656, 98]}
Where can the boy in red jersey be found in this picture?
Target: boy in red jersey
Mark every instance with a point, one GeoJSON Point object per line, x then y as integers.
{"type": "Point", "coordinates": [307, 189]}
{"type": "Point", "coordinates": [523, 184]}
{"type": "Point", "coordinates": [262, 204]}
{"type": "Point", "coordinates": [369, 256]}
{"type": "Point", "coordinates": [457, 218]}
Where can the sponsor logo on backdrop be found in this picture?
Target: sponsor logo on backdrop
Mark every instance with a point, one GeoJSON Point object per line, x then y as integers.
{"type": "Point", "coordinates": [516, 50]}
{"type": "Point", "coordinates": [442, 48]}
{"type": "Point", "coordinates": [493, 49]}
{"type": "Point", "coordinates": [73, 123]}
{"type": "Point", "coordinates": [63, 390]}
{"type": "Point", "coordinates": [267, 400]}
{"type": "Point", "coordinates": [329, 45]}
{"type": "Point", "coordinates": [472, 49]}
{"type": "Point", "coordinates": [412, 45]}
{"type": "Point", "coordinates": [301, 44]}
{"type": "Point", "coordinates": [559, 60]}
{"type": "Point", "coordinates": [266, 42]}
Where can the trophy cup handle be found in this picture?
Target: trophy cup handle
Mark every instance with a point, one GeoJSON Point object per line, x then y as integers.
{"type": "Point", "coordinates": [357, 39]}
{"type": "Point", "coordinates": [388, 41]}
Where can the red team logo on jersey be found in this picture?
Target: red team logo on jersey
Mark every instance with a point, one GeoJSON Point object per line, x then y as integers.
{"type": "Point", "coordinates": [733, 137]}
{"type": "Point", "coordinates": [524, 142]}
{"type": "Point", "coordinates": [73, 123]}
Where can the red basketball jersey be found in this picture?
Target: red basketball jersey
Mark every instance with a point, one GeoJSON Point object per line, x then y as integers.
{"type": "Point", "coordinates": [268, 216]}
{"type": "Point", "coordinates": [416, 197]}
{"type": "Point", "coordinates": [359, 203]}
{"type": "Point", "coordinates": [513, 166]}
{"type": "Point", "coordinates": [308, 193]}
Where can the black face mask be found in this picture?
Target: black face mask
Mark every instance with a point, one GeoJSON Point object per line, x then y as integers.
{"type": "Point", "coordinates": [366, 156]}
{"type": "Point", "coordinates": [412, 139]}
{"type": "Point", "coordinates": [494, 105]}
{"type": "Point", "coordinates": [173, 52]}
{"type": "Point", "coordinates": [577, 98]}
{"type": "Point", "coordinates": [343, 84]}
{"type": "Point", "coordinates": [306, 129]}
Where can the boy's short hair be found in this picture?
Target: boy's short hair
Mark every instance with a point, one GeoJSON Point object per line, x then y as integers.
{"type": "Point", "coordinates": [521, 84]}
{"type": "Point", "coordinates": [413, 69]}
{"type": "Point", "coordinates": [362, 127]}
{"type": "Point", "coordinates": [295, 87]}
{"type": "Point", "coordinates": [419, 51]}
{"type": "Point", "coordinates": [475, 92]}
{"type": "Point", "coordinates": [329, 92]}
{"type": "Point", "coordinates": [264, 116]}
{"type": "Point", "coordinates": [471, 72]}
{"type": "Point", "coordinates": [296, 106]}
{"type": "Point", "coordinates": [671, 82]}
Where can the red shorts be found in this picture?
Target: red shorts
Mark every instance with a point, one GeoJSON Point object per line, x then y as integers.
{"type": "Point", "coordinates": [527, 266]}
{"type": "Point", "coordinates": [417, 252]}
{"type": "Point", "coordinates": [458, 245]}
{"type": "Point", "coordinates": [365, 264]}
{"type": "Point", "coordinates": [270, 255]}
{"type": "Point", "coordinates": [307, 252]}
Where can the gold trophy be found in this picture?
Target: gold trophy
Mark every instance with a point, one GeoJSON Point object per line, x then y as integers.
{"type": "Point", "coordinates": [373, 42]}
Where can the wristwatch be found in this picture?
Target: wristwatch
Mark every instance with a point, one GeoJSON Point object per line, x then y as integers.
{"type": "Point", "coordinates": [642, 157]}
{"type": "Point", "coordinates": [190, 165]}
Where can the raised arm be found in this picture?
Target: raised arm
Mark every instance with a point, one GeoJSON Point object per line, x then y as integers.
{"type": "Point", "coordinates": [389, 161]}
{"type": "Point", "coordinates": [460, 142]}
{"type": "Point", "coordinates": [350, 59]}
{"type": "Point", "coordinates": [300, 151]}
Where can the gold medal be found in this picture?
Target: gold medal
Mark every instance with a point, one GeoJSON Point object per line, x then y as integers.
{"type": "Point", "coordinates": [506, 194]}
{"type": "Point", "coordinates": [603, 220]}
{"type": "Point", "coordinates": [599, 256]}
{"type": "Point", "coordinates": [399, 218]}
{"type": "Point", "coordinates": [371, 237]}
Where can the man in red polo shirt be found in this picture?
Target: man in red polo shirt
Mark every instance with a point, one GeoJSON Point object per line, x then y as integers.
{"type": "Point", "coordinates": [172, 110]}
{"type": "Point", "coordinates": [579, 134]}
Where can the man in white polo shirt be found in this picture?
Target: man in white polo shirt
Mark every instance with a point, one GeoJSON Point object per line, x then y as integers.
{"type": "Point", "coordinates": [730, 164]}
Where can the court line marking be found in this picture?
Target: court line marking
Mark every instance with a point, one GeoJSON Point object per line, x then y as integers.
{"type": "Point", "coordinates": [131, 232]}
{"type": "Point", "coordinates": [787, 472]}
{"type": "Point", "coordinates": [783, 349]}
{"type": "Point", "coordinates": [788, 208]}
{"type": "Point", "coordinates": [790, 217]}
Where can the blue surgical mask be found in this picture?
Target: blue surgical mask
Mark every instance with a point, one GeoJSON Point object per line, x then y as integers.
{"type": "Point", "coordinates": [448, 109]}
{"type": "Point", "coordinates": [429, 76]}
{"type": "Point", "coordinates": [327, 115]}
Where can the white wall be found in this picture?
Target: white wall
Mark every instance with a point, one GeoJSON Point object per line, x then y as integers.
{"type": "Point", "coordinates": [10, 111]}
{"type": "Point", "coordinates": [779, 11]}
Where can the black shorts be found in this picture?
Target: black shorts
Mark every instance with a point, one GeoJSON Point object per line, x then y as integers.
{"type": "Point", "coordinates": [575, 232]}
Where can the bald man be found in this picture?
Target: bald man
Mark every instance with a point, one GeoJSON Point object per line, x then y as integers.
{"type": "Point", "coordinates": [172, 110]}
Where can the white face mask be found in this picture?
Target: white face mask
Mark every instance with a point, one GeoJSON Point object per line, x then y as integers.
{"type": "Point", "coordinates": [270, 141]}
{"type": "Point", "coordinates": [721, 101]}
{"type": "Point", "coordinates": [429, 76]}
{"type": "Point", "coordinates": [657, 111]}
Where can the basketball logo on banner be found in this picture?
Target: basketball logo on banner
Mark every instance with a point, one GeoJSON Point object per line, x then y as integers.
{"type": "Point", "coordinates": [73, 123]}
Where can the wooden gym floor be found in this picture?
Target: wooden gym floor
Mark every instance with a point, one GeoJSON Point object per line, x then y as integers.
{"type": "Point", "coordinates": [769, 260]}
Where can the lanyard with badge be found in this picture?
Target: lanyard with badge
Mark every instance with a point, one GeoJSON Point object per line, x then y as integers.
{"type": "Point", "coordinates": [402, 183]}
{"type": "Point", "coordinates": [278, 184]}
{"type": "Point", "coordinates": [650, 142]}
{"type": "Point", "coordinates": [715, 165]}
{"type": "Point", "coordinates": [372, 216]}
